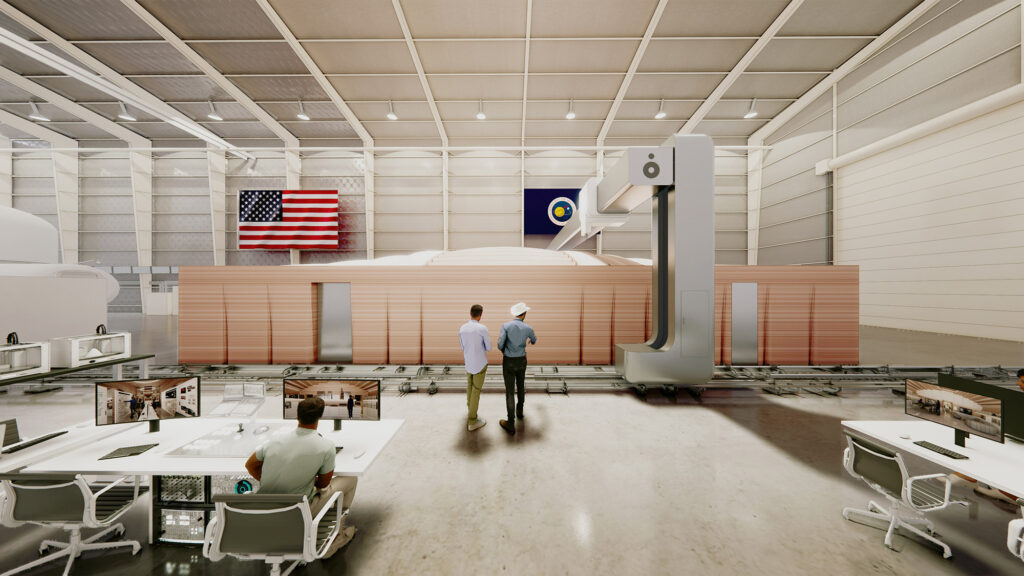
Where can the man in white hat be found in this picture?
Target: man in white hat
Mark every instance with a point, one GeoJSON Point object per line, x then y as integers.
{"type": "Point", "coordinates": [512, 343]}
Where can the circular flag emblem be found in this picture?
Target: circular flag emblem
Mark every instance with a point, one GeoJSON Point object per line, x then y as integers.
{"type": "Point", "coordinates": [560, 210]}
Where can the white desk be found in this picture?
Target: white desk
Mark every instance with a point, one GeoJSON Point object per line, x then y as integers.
{"type": "Point", "coordinates": [363, 441]}
{"type": "Point", "coordinates": [998, 465]}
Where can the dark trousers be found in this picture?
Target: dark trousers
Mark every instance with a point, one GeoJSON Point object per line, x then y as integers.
{"type": "Point", "coordinates": [513, 370]}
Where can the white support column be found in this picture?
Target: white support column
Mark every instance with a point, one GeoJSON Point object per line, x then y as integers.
{"type": "Point", "coordinates": [218, 166]}
{"type": "Point", "coordinates": [65, 183]}
{"type": "Point", "coordinates": [142, 202]}
{"type": "Point", "coordinates": [293, 181]}
{"type": "Point", "coordinates": [368, 199]}
{"type": "Point", "coordinates": [755, 161]}
{"type": "Point", "coordinates": [444, 196]}
{"type": "Point", "coordinates": [6, 173]}
{"type": "Point", "coordinates": [600, 175]}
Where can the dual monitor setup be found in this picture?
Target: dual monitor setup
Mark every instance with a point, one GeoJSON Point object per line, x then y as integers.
{"type": "Point", "coordinates": [156, 399]}
{"type": "Point", "coordinates": [968, 407]}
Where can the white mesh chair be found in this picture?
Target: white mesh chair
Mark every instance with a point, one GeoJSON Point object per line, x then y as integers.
{"type": "Point", "coordinates": [68, 502]}
{"type": "Point", "coordinates": [274, 528]}
{"type": "Point", "coordinates": [909, 496]}
{"type": "Point", "coordinates": [1015, 534]}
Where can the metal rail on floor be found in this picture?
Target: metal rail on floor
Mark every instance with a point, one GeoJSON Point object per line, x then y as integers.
{"type": "Point", "coordinates": [780, 380]}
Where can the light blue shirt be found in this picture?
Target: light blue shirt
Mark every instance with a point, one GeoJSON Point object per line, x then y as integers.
{"type": "Point", "coordinates": [512, 340]}
{"type": "Point", "coordinates": [475, 343]}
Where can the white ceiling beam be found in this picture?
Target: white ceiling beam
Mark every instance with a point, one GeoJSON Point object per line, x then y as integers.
{"type": "Point", "coordinates": [212, 73]}
{"type": "Point", "coordinates": [478, 39]}
{"type": "Point", "coordinates": [29, 127]}
{"type": "Point", "coordinates": [318, 75]}
{"type": "Point", "coordinates": [108, 80]}
{"type": "Point", "coordinates": [856, 60]}
{"type": "Point", "coordinates": [526, 66]}
{"type": "Point", "coordinates": [101, 122]}
{"type": "Point", "coordinates": [637, 57]}
{"type": "Point", "coordinates": [740, 67]}
{"type": "Point", "coordinates": [419, 70]}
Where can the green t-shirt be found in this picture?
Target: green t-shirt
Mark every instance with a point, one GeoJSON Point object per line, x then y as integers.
{"type": "Point", "coordinates": [292, 460]}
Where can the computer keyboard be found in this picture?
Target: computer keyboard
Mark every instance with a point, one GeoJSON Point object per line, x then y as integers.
{"type": "Point", "coordinates": [32, 442]}
{"type": "Point", "coordinates": [128, 451]}
{"type": "Point", "coordinates": [940, 450]}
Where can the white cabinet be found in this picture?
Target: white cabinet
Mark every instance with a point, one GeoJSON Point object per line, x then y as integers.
{"type": "Point", "coordinates": [75, 351]}
{"type": "Point", "coordinates": [24, 359]}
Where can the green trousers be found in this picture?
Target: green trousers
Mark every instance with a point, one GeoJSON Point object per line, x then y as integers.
{"type": "Point", "coordinates": [474, 384]}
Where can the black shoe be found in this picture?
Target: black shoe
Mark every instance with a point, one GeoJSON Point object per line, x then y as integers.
{"type": "Point", "coordinates": [519, 413]}
{"type": "Point", "coordinates": [507, 427]}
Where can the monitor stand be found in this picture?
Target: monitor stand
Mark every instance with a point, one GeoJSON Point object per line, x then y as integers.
{"type": "Point", "coordinates": [337, 424]}
{"type": "Point", "coordinates": [960, 437]}
{"type": "Point", "coordinates": [154, 426]}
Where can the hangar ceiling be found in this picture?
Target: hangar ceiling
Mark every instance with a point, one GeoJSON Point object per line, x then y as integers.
{"type": "Point", "coordinates": [437, 62]}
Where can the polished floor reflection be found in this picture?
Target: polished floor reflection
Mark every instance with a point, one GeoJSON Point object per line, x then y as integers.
{"type": "Point", "coordinates": [605, 483]}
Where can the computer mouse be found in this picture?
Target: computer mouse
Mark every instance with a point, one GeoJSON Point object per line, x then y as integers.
{"type": "Point", "coordinates": [261, 430]}
{"type": "Point", "coordinates": [905, 436]}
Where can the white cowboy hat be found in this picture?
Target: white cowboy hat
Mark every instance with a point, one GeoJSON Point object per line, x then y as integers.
{"type": "Point", "coordinates": [520, 308]}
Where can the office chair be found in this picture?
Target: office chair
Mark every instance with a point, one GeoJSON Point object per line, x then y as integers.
{"type": "Point", "coordinates": [909, 496]}
{"type": "Point", "coordinates": [1015, 534]}
{"type": "Point", "coordinates": [274, 528]}
{"type": "Point", "coordinates": [69, 502]}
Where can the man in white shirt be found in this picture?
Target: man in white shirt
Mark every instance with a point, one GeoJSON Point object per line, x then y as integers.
{"type": "Point", "coordinates": [475, 343]}
{"type": "Point", "coordinates": [301, 461]}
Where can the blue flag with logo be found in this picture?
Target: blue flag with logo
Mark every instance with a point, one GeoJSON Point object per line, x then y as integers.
{"type": "Point", "coordinates": [546, 210]}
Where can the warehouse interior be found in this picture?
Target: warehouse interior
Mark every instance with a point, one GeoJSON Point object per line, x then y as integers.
{"type": "Point", "coordinates": [875, 138]}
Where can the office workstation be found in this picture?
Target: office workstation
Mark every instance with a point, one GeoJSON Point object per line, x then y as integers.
{"type": "Point", "coordinates": [518, 286]}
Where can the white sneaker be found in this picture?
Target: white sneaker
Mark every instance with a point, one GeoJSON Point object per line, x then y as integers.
{"type": "Point", "coordinates": [478, 424]}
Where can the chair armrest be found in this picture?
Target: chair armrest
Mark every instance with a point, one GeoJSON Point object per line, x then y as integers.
{"type": "Point", "coordinates": [211, 529]}
{"type": "Point", "coordinates": [327, 507]}
{"type": "Point", "coordinates": [945, 480]}
{"type": "Point", "coordinates": [1015, 538]}
{"type": "Point", "coordinates": [96, 495]}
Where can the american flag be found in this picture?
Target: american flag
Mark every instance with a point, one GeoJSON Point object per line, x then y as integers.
{"type": "Point", "coordinates": [288, 219]}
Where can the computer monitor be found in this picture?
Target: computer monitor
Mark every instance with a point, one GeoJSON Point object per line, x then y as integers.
{"type": "Point", "coordinates": [966, 406]}
{"type": "Point", "coordinates": [151, 400]}
{"type": "Point", "coordinates": [1012, 397]}
{"type": "Point", "coordinates": [343, 399]}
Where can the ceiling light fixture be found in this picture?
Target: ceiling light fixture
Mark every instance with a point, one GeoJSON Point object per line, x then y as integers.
{"type": "Point", "coordinates": [480, 114]}
{"type": "Point", "coordinates": [213, 113]}
{"type": "Point", "coordinates": [751, 113]}
{"type": "Point", "coordinates": [570, 115]}
{"type": "Point", "coordinates": [124, 115]}
{"type": "Point", "coordinates": [36, 115]}
{"type": "Point", "coordinates": [144, 103]}
{"type": "Point", "coordinates": [302, 112]}
{"type": "Point", "coordinates": [661, 110]}
{"type": "Point", "coordinates": [391, 112]}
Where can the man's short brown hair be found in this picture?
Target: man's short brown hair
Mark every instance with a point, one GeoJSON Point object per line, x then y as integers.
{"type": "Point", "coordinates": [310, 410]}
{"type": "Point", "coordinates": [475, 311]}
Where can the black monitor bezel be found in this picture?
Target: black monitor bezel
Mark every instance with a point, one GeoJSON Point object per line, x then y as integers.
{"type": "Point", "coordinates": [96, 399]}
{"type": "Point", "coordinates": [962, 385]}
{"type": "Point", "coordinates": [284, 396]}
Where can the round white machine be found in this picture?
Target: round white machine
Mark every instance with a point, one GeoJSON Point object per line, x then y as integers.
{"type": "Point", "coordinates": [25, 238]}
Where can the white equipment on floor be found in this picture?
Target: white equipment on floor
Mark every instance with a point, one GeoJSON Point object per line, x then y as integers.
{"type": "Point", "coordinates": [909, 496]}
{"type": "Point", "coordinates": [1015, 534]}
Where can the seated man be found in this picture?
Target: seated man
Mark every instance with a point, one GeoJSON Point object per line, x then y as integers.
{"type": "Point", "coordinates": [301, 461]}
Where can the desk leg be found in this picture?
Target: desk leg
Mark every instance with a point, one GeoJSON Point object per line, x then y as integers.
{"type": "Point", "coordinates": [118, 372]}
{"type": "Point", "coordinates": [152, 504]}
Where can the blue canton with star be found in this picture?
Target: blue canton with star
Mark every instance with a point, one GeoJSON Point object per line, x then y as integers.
{"type": "Point", "coordinates": [260, 206]}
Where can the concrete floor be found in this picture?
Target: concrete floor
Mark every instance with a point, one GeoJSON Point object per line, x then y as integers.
{"type": "Point", "coordinates": [602, 483]}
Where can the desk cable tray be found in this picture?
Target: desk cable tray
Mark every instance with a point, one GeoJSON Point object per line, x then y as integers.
{"type": "Point", "coordinates": [128, 451]}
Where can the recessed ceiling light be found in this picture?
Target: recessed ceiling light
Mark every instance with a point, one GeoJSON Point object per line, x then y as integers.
{"type": "Point", "coordinates": [480, 114]}
{"type": "Point", "coordinates": [36, 114]}
{"type": "Point", "coordinates": [751, 113]}
{"type": "Point", "coordinates": [391, 112]}
{"type": "Point", "coordinates": [302, 112]}
{"type": "Point", "coordinates": [571, 114]}
{"type": "Point", "coordinates": [213, 113]}
{"type": "Point", "coordinates": [661, 110]}
{"type": "Point", "coordinates": [124, 115]}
